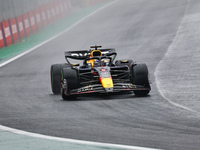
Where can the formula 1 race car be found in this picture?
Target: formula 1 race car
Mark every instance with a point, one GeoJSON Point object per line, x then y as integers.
{"type": "Point", "coordinates": [98, 74]}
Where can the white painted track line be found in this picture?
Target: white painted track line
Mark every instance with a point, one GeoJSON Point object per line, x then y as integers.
{"type": "Point", "coordinates": [97, 144]}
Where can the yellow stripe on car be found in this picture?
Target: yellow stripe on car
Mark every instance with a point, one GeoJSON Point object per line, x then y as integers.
{"type": "Point", "coordinates": [107, 82]}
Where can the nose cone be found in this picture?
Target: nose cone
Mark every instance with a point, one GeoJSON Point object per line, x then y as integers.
{"type": "Point", "coordinates": [107, 83]}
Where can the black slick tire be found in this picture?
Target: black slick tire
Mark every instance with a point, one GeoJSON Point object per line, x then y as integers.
{"type": "Point", "coordinates": [70, 76]}
{"type": "Point", "coordinates": [140, 76]}
{"type": "Point", "coordinates": [55, 77]}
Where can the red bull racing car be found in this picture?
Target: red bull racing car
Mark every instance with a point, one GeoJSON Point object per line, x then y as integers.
{"type": "Point", "coordinates": [98, 74]}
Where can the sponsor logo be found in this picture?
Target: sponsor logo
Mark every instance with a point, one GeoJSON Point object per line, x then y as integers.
{"type": "Point", "coordinates": [26, 23]}
{"type": "Point", "coordinates": [84, 54]}
{"type": "Point", "coordinates": [128, 86]}
{"type": "Point", "coordinates": [106, 52]}
{"type": "Point", "coordinates": [20, 26]}
{"type": "Point", "coordinates": [7, 32]}
{"type": "Point", "coordinates": [80, 54]}
{"type": "Point", "coordinates": [103, 69]}
{"type": "Point", "coordinates": [14, 28]}
{"type": "Point", "coordinates": [1, 36]}
{"type": "Point", "coordinates": [85, 89]}
{"type": "Point", "coordinates": [38, 18]}
{"type": "Point", "coordinates": [32, 21]}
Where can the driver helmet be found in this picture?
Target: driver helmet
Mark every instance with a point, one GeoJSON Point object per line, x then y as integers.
{"type": "Point", "coordinates": [94, 62]}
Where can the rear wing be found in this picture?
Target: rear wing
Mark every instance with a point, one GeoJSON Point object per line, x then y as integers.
{"type": "Point", "coordinates": [84, 54]}
{"type": "Point", "coordinates": [79, 55]}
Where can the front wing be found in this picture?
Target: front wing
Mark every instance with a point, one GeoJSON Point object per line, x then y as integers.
{"type": "Point", "coordinates": [98, 88]}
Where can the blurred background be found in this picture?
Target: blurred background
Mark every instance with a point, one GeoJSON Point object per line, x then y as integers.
{"type": "Point", "coordinates": [13, 8]}
{"type": "Point", "coordinates": [21, 18]}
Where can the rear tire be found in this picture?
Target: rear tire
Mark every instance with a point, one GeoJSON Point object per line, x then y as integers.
{"type": "Point", "coordinates": [71, 77]}
{"type": "Point", "coordinates": [55, 77]}
{"type": "Point", "coordinates": [140, 76]}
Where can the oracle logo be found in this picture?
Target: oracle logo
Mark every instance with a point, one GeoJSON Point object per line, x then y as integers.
{"type": "Point", "coordinates": [14, 28]}
{"type": "Point", "coordinates": [7, 32]}
{"type": "Point", "coordinates": [20, 26]}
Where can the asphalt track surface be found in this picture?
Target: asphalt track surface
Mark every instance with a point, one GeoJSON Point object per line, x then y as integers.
{"type": "Point", "coordinates": [157, 32]}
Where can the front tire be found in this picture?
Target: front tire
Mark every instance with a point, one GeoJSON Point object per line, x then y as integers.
{"type": "Point", "coordinates": [55, 77]}
{"type": "Point", "coordinates": [140, 76]}
{"type": "Point", "coordinates": [69, 78]}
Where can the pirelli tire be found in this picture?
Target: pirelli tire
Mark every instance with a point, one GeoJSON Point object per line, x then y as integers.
{"type": "Point", "coordinates": [69, 77]}
{"type": "Point", "coordinates": [55, 76]}
{"type": "Point", "coordinates": [123, 62]}
{"type": "Point", "coordinates": [140, 76]}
